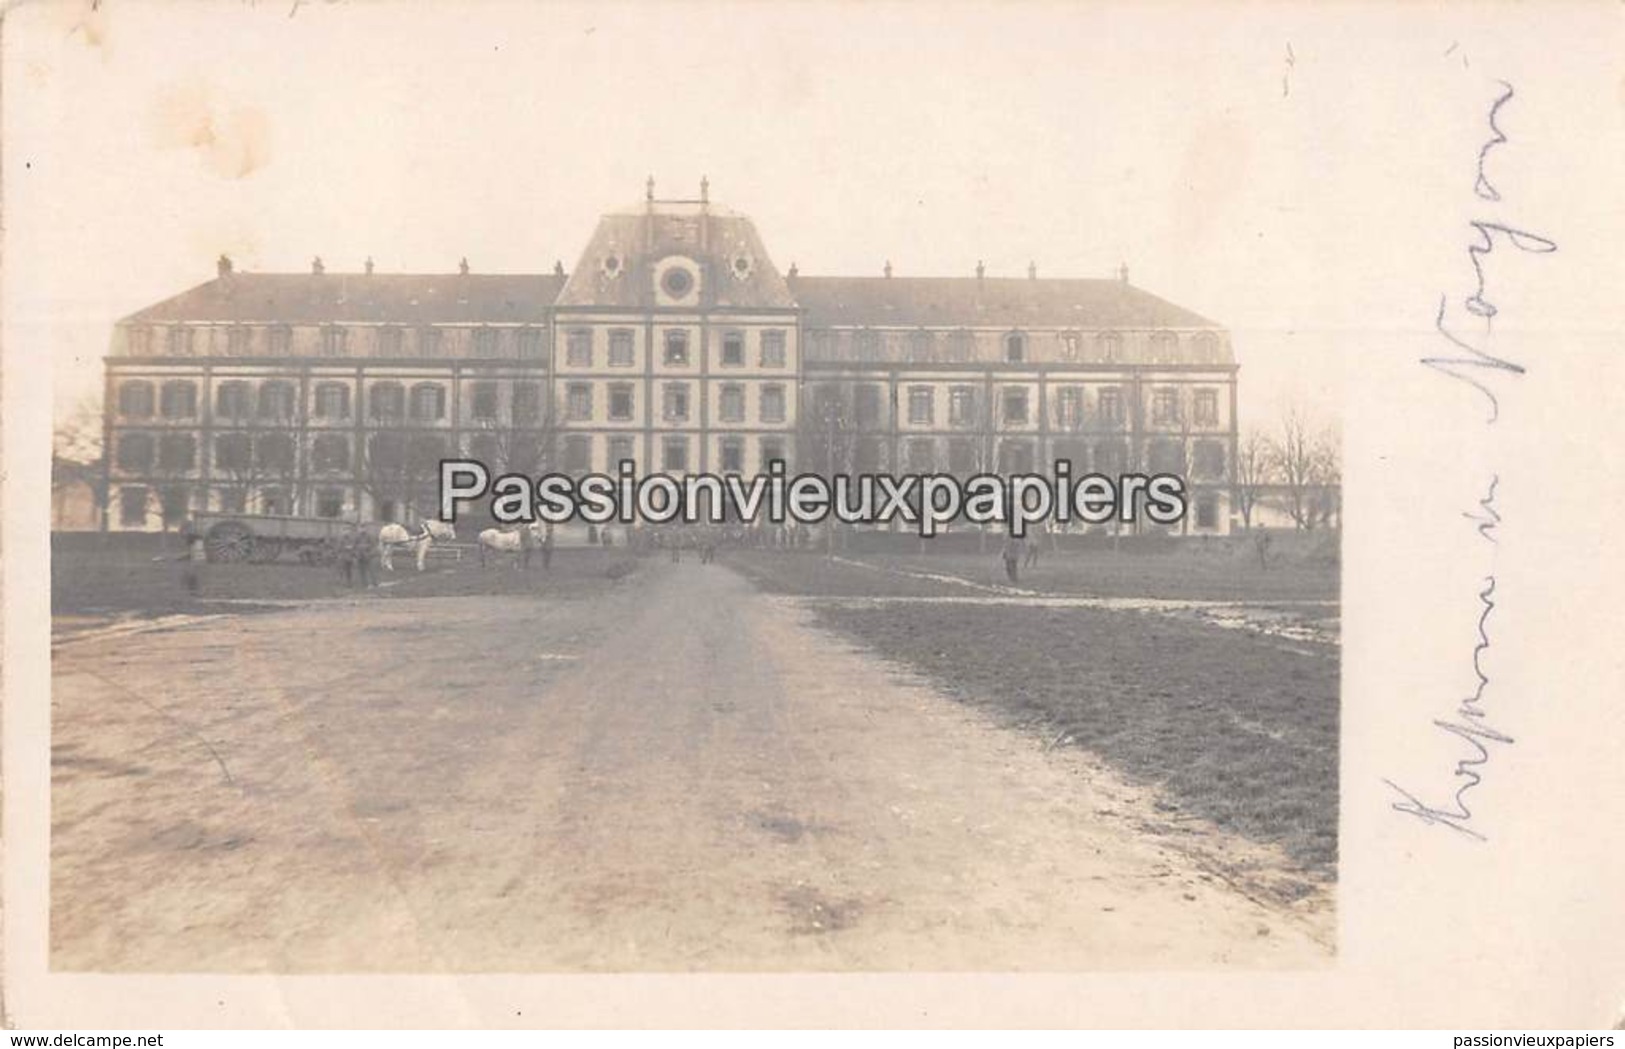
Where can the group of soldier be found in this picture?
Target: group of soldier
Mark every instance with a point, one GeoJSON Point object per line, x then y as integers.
{"type": "Point", "coordinates": [355, 553]}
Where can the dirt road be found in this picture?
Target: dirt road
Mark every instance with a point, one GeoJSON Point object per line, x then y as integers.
{"type": "Point", "coordinates": [679, 773]}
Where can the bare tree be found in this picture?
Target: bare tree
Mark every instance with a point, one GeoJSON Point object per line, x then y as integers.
{"type": "Point", "coordinates": [1300, 461]}
{"type": "Point", "coordinates": [1328, 471]}
{"type": "Point", "coordinates": [247, 465]}
{"type": "Point", "coordinates": [827, 437]}
{"type": "Point", "coordinates": [528, 444]}
{"type": "Point", "coordinates": [77, 455]}
{"type": "Point", "coordinates": [401, 466]}
{"type": "Point", "coordinates": [1254, 464]}
{"type": "Point", "coordinates": [170, 495]}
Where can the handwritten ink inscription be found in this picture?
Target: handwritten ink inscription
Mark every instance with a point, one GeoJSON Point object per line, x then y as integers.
{"type": "Point", "coordinates": [1474, 364]}
{"type": "Point", "coordinates": [1469, 724]}
{"type": "Point", "coordinates": [1469, 360]}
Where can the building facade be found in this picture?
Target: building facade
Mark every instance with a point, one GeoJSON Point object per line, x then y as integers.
{"type": "Point", "coordinates": [674, 343]}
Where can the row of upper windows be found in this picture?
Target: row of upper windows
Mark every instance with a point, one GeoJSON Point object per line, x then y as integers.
{"type": "Point", "coordinates": [333, 340]}
{"type": "Point", "coordinates": [579, 345]}
{"type": "Point", "coordinates": [675, 402]}
{"type": "Point", "coordinates": [276, 340]}
{"type": "Point", "coordinates": [1164, 346]}
{"type": "Point", "coordinates": [1108, 347]}
{"type": "Point", "coordinates": [277, 399]}
{"type": "Point", "coordinates": [1016, 406]}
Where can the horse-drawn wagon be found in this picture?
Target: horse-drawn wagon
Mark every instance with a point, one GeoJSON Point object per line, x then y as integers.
{"type": "Point", "coordinates": [235, 538]}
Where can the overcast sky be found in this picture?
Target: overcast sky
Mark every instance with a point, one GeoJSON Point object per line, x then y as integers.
{"type": "Point", "coordinates": [1226, 158]}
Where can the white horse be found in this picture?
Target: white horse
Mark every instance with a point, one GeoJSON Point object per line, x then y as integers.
{"type": "Point", "coordinates": [394, 537]}
{"type": "Point", "coordinates": [504, 541]}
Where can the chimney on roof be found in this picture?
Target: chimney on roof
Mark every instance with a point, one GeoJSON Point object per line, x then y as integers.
{"type": "Point", "coordinates": [705, 190]}
{"type": "Point", "coordinates": [222, 266]}
{"type": "Point", "coordinates": [368, 265]}
{"type": "Point", "coordinates": [794, 272]}
{"type": "Point", "coordinates": [1032, 271]}
{"type": "Point", "coordinates": [649, 189]}
{"type": "Point", "coordinates": [558, 268]}
{"type": "Point", "coordinates": [981, 270]}
{"type": "Point", "coordinates": [888, 267]}
{"type": "Point", "coordinates": [462, 266]}
{"type": "Point", "coordinates": [1122, 273]}
{"type": "Point", "coordinates": [316, 266]}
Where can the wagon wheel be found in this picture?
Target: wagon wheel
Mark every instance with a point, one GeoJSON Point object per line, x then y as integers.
{"type": "Point", "coordinates": [230, 542]}
{"type": "Point", "coordinates": [266, 550]}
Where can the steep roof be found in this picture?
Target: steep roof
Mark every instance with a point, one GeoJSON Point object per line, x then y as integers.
{"type": "Point", "coordinates": [618, 266]}
{"type": "Point", "coordinates": [980, 302]}
{"type": "Point", "coordinates": [397, 298]}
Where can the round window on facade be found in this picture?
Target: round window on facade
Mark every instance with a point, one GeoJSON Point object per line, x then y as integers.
{"type": "Point", "coordinates": [742, 266]}
{"type": "Point", "coordinates": [612, 265]}
{"type": "Point", "coordinates": [677, 283]}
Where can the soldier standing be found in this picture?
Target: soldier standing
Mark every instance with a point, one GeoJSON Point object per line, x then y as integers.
{"type": "Point", "coordinates": [365, 552]}
{"type": "Point", "coordinates": [1015, 548]}
{"type": "Point", "coordinates": [194, 556]}
{"type": "Point", "coordinates": [343, 548]}
{"type": "Point", "coordinates": [1030, 559]}
{"type": "Point", "coordinates": [527, 543]}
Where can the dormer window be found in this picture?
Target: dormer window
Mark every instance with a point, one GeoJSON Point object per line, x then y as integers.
{"type": "Point", "coordinates": [389, 341]}
{"type": "Point", "coordinates": [1015, 347]}
{"type": "Point", "coordinates": [138, 338]}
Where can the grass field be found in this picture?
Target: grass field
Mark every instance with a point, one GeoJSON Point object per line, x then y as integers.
{"type": "Point", "coordinates": [1224, 571]}
{"type": "Point", "coordinates": [140, 575]}
{"type": "Point", "coordinates": [1230, 726]}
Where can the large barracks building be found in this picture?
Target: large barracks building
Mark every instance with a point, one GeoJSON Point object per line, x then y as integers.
{"type": "Point", "coordinates": [675, 343]}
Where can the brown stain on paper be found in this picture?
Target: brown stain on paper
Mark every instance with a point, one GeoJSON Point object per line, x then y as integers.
{"type": "Point", "coordinates": [233, 141]}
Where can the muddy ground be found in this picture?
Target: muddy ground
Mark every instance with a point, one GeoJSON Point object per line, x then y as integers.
{"type": "Point", "coordinates": [670, 771]}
